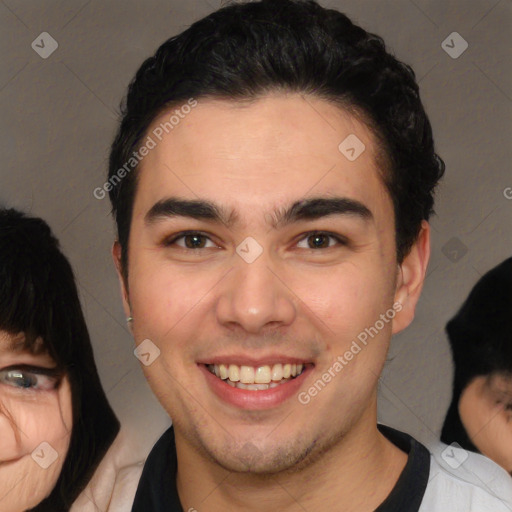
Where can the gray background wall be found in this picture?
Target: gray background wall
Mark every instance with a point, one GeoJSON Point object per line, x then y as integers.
{"type": "Point", "coordinates": [59, 116]}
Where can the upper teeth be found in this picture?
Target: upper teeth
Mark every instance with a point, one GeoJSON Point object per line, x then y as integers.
{"type": "Point", "coordinates": [258, 375]}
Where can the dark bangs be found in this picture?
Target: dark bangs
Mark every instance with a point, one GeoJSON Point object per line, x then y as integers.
{"type": "Point", "coordinates": [35, 297]}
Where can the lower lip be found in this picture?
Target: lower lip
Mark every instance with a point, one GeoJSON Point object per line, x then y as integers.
{"type": "Point", "coordinates": [255, 400]}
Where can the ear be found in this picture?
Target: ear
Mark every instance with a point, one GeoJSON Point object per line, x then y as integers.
{"type": "Point", "coordinates": [411, 275]}
{"type": "Point", "coordinates": [116, 256]}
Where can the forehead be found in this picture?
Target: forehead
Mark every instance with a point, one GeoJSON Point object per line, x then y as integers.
{"type": "Point", "coordinates": [17, 343]}
{"type": "Point", "coordinates": [268, 152]}
{"type": "Point", "coordinates": [500, 383]}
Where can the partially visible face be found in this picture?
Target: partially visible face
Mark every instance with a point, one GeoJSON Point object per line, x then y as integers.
{"type": "Point", "coordinates": [254, 297]}
{"type": "Point", "coordinates": [485, 409]}
{"type": "Point", "coordinates": [32, 411]}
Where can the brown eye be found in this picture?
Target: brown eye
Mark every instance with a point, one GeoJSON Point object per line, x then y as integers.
{"type": "Point", "coordinates": [191, 240]}
{"type": "Point", "coordinates": [321, 240]}
{"type": "Point", "coordinates": [194, 241]}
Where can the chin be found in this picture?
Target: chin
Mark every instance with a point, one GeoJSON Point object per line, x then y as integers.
{"type": "Point", "coordinates": [262, 461]}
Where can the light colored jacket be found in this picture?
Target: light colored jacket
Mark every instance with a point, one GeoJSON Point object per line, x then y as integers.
{"type": "Point", "coordinates": [112, 487]}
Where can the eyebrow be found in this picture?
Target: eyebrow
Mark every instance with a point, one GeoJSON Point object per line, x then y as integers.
{"type": "Point", "coordinates": [305, 209]}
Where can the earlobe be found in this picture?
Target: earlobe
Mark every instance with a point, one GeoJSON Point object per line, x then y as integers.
{"type": "Point", "coordinates": [411, 275]}
{"type": "Point", "coordinates": [116, 256]}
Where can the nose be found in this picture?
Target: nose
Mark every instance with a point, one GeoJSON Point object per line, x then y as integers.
{"type": "Point", "coordinates": [255, 297]}
{"type": "Point", "coordinates": [10, 447]}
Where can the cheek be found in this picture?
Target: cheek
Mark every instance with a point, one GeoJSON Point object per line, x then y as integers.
{"type": "Point", "coordinates": [47, 420]}
{"type": "Point", "coordinates": [348, 298]}
{"type": "Point", "coordinates": [163, 294]}
{"type": "Point", "coordinates": [43, 422]}
{"type": "Point", "coordinates": [495, 441]}
{"type": "Point", "coordinates": [31, 483]}
{"type": "Point", "coordinates": [355, 303]}
{"type": "Point", "coordinates": [487, 426]}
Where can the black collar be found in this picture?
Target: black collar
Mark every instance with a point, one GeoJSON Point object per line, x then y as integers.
{"type": "Point", "coordinates": [408, 492]}
{"type": "Point", "coordinates": [157, 491]}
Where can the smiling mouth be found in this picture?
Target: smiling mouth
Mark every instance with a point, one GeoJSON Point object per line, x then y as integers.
{"type": "Point", "coordinates": [257, 378]}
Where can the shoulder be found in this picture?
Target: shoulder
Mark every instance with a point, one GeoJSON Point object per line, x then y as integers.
{"type": "Point", "coordinates": [461, 480]}
{"type": "Point", "coordinates": [125, 488]}
{"type": "Point", "coordinates": [114, 483]}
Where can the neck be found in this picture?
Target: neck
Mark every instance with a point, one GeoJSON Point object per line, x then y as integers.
{"type": "Point", "coordinates": [356, 474]}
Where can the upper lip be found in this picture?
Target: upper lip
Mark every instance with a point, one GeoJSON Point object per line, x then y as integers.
{"type": "Point", "coordinates": [246, 360]}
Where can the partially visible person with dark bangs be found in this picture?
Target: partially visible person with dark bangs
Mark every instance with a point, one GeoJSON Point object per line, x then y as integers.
{"type": "Point", "coordinates": [55, 421]}
{"type": "Point", "coordinates": [479, 418]}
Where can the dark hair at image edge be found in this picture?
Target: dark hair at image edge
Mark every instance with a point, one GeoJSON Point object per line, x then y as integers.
{"type": "Point", "coordinates": [480, 337]}
{"type": "Point", "coordinates": [246, 50]}
{"type": "Point", "coordinates": [39, 298]}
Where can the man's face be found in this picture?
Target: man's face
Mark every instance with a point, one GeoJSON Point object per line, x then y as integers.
{"type": "Point", "coordinates": [32, 411]}
{"type": "Point", "coordinates": [212, 298]}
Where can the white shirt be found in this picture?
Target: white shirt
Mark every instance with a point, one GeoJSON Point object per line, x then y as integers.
{"type": "Point", "coordinates": [463, 481]}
